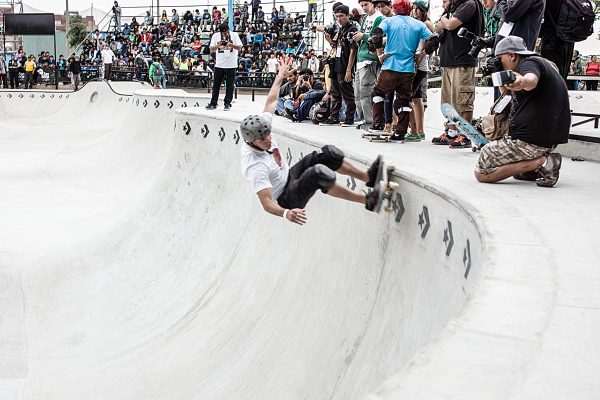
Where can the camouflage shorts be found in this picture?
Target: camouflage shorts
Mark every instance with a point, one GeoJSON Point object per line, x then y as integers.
{"type": "Point", "coordinates": [506, 151]}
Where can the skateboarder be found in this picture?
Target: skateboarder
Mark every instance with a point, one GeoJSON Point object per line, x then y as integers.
{"type": "Point", "coordinates": [285, 191]}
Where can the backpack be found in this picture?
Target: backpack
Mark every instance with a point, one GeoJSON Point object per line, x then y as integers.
{"type": "Point", "coordinates": [158, 71]}
{"type": "Point", "coordinates": [319, 112]}
{"type": "Point", "coordinates": [575, 20]}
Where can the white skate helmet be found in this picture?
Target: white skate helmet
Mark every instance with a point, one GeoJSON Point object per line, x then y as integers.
{"type": "Point", "coordinates": [255, 127]}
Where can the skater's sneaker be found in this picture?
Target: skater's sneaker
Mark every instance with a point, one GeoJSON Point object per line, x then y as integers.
{"type": "Point", "coordinates": [397, 138]}
{"type": "Point", "coordinates": [459, 142]}
{"type": "Point", "coordinates": [373, 171]}
{"type": "Point", "coordinates": [290, 114]}
{"type": "Point", "coordinates": [413, 138]}
{"type": "Point", "coordinates": [211, 106]}
{"type": "Point", "coordinates": [227, 107]}
{"type": "Point", "coordinates": [442, 139]}
{"type": "Point", "coordinates": [347, 124]}
{"type": "Point", "coordinates": [388, 128]}
{"type": "Point", "coordinates": [372, 198]}
{"type": "Point", "coordinates": [377, 129]}
{"type": "Point", "coordinates": [330, 122]}
{"type": "Point", "coordinates": [527, 176]}
{"type": "Point", "coordinates": [549, 172]}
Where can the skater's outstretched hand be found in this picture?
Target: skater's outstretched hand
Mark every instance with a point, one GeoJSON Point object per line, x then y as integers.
{"type": "Point", "coordinates": [297, 216]}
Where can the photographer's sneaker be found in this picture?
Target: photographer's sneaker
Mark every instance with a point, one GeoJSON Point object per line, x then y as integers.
{"type": "Point", "coordinates": [397, 138]}
{"type": "Point", "coordinates": [459, 142]}
{"type": "Point", "coordinates": [211, 106]}
{"type": "Point", "coordinates": [442, 139]}
{"type": "Point", "coordinates": [330, 122]}
{"type": "Point", "coordinates": [347, 124]}
{"type": "Point", "coordinates": [227, 107]}
{"type": "Point", "coordinates": [527, 176]}
{"type": "Point", "coordinates": [549, 172]}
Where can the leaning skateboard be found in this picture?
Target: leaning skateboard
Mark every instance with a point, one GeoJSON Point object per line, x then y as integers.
{"type": "Point", "coordinates": [387, 188]}
{"type": "Point", "coordinates": [465, 128]}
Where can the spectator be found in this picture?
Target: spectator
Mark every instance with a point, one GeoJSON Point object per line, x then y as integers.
{"type": "Point", "coordinates": [272, 64]}
{"type": "Point", "coordinates": [163, 17]}
{"type": "Point", "coordinates": [149, 20]}
{"type": "Point", "coordinates": [367, 66]}
{"type": "Point", "coordinates": [343, 71]}
{"type": "Point", "coordinates": [522, 18]}
{"type": "Point", "coordinates": [576, 69]}
{"type": "Point", "coordinates": [458, 78]}
{"type": "Point", "coordinates": [108, 57]}
{"type": "Point", "coordinates": [13, 73]}
{"type": "Point", "coordinates": [553, 47]}
{"type": "Point", "coordinates": [226, 44]}
{"type": "Point", "coordinates": [75, 69]}
{"type": "Point", "coordinates": [156, 74]}
{"type": "Point", "coordinates": [492, 17]}
{"type": "Point", "coordinates": [314, 64]}
{"type": "Point", "coordinates": [287, 91]}
{"type": "Point", "coordinates": [175, 17]}
{"type": "Point", "coordinates": [3, 72]}
{"type": "Point", "coordinates": [592, 68]}
{"type": "Point", "coordinates": [419, 12]}
{"type": "Point", "coordinates": [206, 18]}
{"type": "Point", "coordinates": [312, 12]}
{"type": "Point", "coordinates": [255, 5]}
{"type": "Point", "coordinates": [30, 67]}
{"type": "Point", "coordinates": [116, 9]}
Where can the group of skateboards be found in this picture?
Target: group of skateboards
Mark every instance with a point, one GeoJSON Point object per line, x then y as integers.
{"type": "Point", "coordinates": [453, 119]}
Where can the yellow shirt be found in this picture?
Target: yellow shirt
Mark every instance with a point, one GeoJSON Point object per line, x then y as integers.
{"type": "Point", "coordinates": [29, 66]}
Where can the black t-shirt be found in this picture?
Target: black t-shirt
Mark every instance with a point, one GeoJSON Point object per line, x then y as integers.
{"type": "Point", "coordinates": [541, 116]}
{"type": "Point", "coordinates": [454, 50]}
{"type": "Point", "coordinates": [344, 46]}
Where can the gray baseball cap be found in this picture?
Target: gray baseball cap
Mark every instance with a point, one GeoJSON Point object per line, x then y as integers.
{"type": "Point", "coordinates": [512, 44]}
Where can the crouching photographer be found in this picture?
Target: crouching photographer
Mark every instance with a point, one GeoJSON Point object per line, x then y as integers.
{"type": "Point", "coordinates": [225, 45]}
{"type": "Point", "coordinates": [540, 118]}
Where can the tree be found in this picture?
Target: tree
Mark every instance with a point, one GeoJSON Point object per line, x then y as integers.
{"type": "Point", "coordinates": [78, 31]}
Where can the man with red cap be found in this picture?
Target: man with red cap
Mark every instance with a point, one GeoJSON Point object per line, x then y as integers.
{"type": "Point", "coordinates": [403, 35]}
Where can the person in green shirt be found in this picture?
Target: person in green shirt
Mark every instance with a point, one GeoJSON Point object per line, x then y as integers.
{"type": "Point", "coordinates": [367, 65]}
{"type": "Point", "coordinates": [156, 73]}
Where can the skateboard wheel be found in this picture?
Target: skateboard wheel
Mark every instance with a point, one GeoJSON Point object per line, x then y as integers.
{"type": "Point", "coordinates": [474, 149]}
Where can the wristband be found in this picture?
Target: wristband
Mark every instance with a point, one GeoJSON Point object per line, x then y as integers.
{"type": "Point", "coordinates": [285, 213]}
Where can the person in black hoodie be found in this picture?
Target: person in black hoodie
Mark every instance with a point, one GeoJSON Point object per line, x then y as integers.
{"type": "Point", "coordinates": [13, 73]}
{"type": "Point", "coordinates": [75, 68]}
{"type": "Point", "coordinates": [522, 18]}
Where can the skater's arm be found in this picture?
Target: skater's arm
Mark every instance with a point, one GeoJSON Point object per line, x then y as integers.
{"type": "Point", "coordinates": [273, 96]}
{"type": "Point", "coordinates": [295, 215]}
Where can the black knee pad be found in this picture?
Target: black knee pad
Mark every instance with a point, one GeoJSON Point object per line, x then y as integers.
{"type": "Point", "coordinates": [402, 105]}
{"type": "Point", "coordinates": [335, 154]}
{"type": "Point", "coordinates": [324, 176]}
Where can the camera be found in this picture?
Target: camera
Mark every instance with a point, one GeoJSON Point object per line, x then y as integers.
{"type": "Point", "coordinates": [477, 42]}
{"type": "Point", "coordinates": [306, 77]}
{"type": "Point", "coordinates": [331, 30]}
{"type": "Point", "coordinates": [223, 42]}
{"type": "Point", "coordinates": [375, 41]}
{"type": "Point", "coordinates": [492, 65]}
{"type": "Point", "coordinates": [502, 78]}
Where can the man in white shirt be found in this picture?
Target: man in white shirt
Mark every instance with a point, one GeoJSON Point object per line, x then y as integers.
{"type": "Point", "coordinates": [226, 45]}
{"type": "Point", "coordinates": [107, 59]}
{"type": "Point", "coordinates": [272, 64]}
{"type": "Point", "coordinates": [285, 191]}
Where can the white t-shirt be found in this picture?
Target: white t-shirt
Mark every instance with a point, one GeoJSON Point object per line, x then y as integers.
{"type": "Point", "coordinates": [272, 64]}
{"type": "Point", "coordinates": [262, 171]}
{"type": "Point", "coordinates": [226, 58]}
{"type": "Point", "coordinates": [107, 56]}
{"type": "Point", "coordinates": [368, 27]}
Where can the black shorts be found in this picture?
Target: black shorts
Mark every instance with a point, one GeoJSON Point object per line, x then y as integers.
{"type": "Point", "coordinates": [314, 171]}
{"type": "Point", "coordinates": [417, 92]}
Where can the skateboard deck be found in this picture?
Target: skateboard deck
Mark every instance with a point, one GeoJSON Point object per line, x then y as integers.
{"type": "Point", "coordinates": [384, 136]}
{"type": "Point", "coordinates": [387, 189]}
{"type": "Point", "coordinates": [465, 128]}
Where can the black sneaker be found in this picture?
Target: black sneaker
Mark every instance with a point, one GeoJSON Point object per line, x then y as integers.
{"type": "Point", "coordinates": [442, 139]}
{"type": "Point", "coordinates": [527, 176]}
{"type": "Point", "coordinates": [372, 199]}
{"type": "Point", "coordinates": [290, 114]}
{"type": "Point", "coordinates": [211, 106]}
{"type": "Point", "coordinates": [330, 122]}
{"type": "Point", "coordinates": [549, 172]}
{"type": "Point", "coordinates": [377, 129]}
{"type": "Point", "coordinates": [459, 142]}
{"type": "Point", "coordinates": [397, 138]}
{"type": "Point", "coordinates": [373, 171]}
{"type": "Point", "coordinates": [347, 124]}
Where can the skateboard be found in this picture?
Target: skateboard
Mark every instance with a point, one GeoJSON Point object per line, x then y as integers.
{"type": "Point", "coordinates": [383, 136]}
{"type": "Point", "coordinates": [465, 128]}
{"type": "Point", "coordinates": [387, 188]}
